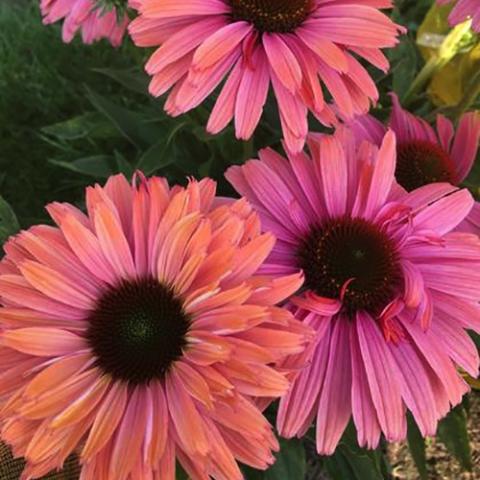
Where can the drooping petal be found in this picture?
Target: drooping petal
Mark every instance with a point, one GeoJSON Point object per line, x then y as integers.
{"type": "Point", "coordinates": [379, 367]}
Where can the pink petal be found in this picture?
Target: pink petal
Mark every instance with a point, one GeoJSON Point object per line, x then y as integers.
{"type": "Point", "coordinates": [381, 371]}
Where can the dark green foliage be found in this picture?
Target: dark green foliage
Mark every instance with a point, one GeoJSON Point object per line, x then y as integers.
{"type": "Point", "coordinates": [416, 444]}
{"type": "Point", "coordinates": [351, 462]}
{"type": "Point", "coordinates": [452, 431]}
{"type": "Point", "coordinates": [8, 221]}
{"type": "Point", "coordinates": [43, 82]}
{"type": "Point", "coordinates": [290, 463]}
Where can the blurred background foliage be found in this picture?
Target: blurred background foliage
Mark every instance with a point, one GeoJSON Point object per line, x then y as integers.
{"type": "Point", "coordinates": [71, 115]}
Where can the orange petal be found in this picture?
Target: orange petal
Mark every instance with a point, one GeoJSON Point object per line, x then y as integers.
{"type": "Point", "coordinates": [56, 286]}
{"type": "Point", "coordinates": [157, 425]}
{"type": "Point", "coordinates": [83, 405]}
{"type": "Point", "coordinates": [106, 420]}
{"type": "Point", "coordinates": [206, 348]}
{"type": "Point", "coordinates": [53, 401]}
{"type": "Point", "coordinates": [172, 252]}
{"type": "Point", "coordinates": [43, 341]}
{"type": "Point", "coordinates": [188, 422]}
{"type": "Point", "coordinates": [57, 373]}
{"type": "Point", "coordinates": [113, 242]}
{"type": "Point", "coordinates": [129, 438]}
{"type": "Point", "coordinates": [193, 382]}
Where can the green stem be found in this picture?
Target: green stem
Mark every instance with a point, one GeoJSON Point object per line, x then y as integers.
{"type": "Point", "coordinates": [447, 50]}
{"type": "Point", "coordinates": [471, 94]}
{"type": "Point", "coordinates": [423, 77]}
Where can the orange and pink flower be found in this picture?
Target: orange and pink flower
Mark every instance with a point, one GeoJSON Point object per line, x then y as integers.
{"type": "Point", "coordinates": [296, 46]}
{"type": "Point", "coordinates": [137, 335]}
{"type": "Point", "coordinates": [390, 288]}
{"type": "Point", "coordinates": [88, 17]}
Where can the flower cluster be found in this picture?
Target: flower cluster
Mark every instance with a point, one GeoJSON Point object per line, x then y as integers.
{"type": "Point", "coordinates": [149, 332]}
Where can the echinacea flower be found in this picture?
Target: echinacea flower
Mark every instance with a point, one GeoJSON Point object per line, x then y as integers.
{"type": "Point", "coordinates": [137, 335]}
{"type": "Point", "coordinates": [389, 288]}
{"type": "Point", "coordinates": [427, 156]}
{"type": "Point", "coordinates": [95, 19]}
{"type": "Point", "coordinates": [464, 10]}
{"type": "Point", "coordinates": [297, 46]}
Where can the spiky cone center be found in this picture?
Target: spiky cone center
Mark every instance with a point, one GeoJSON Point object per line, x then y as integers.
{"type": "Point", "coordinates": [137, 330]}
{"type": "Point", "coordinates": [280, 16]}
{"type": "Point", "coordinates": [353, 260]}
{"type": "Point", "coordinates": [420, 163]}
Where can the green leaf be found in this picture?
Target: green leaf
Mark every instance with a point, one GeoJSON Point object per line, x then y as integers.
{"type": "Point", "coordinates": [416, 444]}
{"type": "Point", "coordinates": [97, 166]}
{"type": "Point", "coordinates": [89, 125]}
{"type": "Point", "coordinates": [162, 153]}
{"type": "Point", "coordinates": [452, 432]}
{"type": "Point", "coordinates": [123, 165]}
{"type": "Point", "coordinates": [475, 337]}
{"type": "Point", "coordinates": [404, 60]}
{"type": "Point", "coordinates": [180, 473]}
{"type": "Point", "coordinates": [290, 461]}
{"type": "Point", "coordinates": [72, 129]}
{"type": "Point", "coordinates": [157, 156]}
{"type": "Point", "coordinates": [130, 124]}
{"type": "Point", "coordinates": [8, 221]}
{"type": "Point", "coordinates": [346, 464]}
{"type": "Point", "coordinates": [132, 79]}
{"type": "Point", "coordinates": [205, 169]}
{"type": "Point", "coordinates": [351, 462]}
{"type": "Point", "coordinates": [473, 181]}
{"type": "Point", "coordinates": [251, 474]}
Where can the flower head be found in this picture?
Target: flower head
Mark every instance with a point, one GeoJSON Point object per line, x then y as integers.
{"type": "Point", "coordinates": [426, 155]}
{"type": "Point", "coordinates": [137, 335]}
{"type": "Point", "coordinates": [464, 10]}
{"type": "Point", "coordinates": [297, 46]}
{"type": "Point", "coordinates": [95, 19]}
{"type": "Point", "coordinates": [389, 288]}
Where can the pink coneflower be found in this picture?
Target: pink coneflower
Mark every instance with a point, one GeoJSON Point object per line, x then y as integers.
{"type": "Point", "coordinates": [389, 288]}
{"type": "Point", "coordinates": [427, 156]}
{"type": "Point", "coordinates": [299, 46]}
{"type": "Point", "coordinates": [90, 17]}
{"type": "Point", "coordinates": [463, 10]}
{"type": "Point", "coordinates": [137, 335]}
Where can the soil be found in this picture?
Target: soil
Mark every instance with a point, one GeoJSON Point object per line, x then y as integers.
{"type": "Point", "coordinates": [441, 465]}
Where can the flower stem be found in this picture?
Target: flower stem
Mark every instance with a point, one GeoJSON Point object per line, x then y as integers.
{"type": "Point", "coordinates": [447, 50]}
{"type": "Point", "coordinates": [472, 92]}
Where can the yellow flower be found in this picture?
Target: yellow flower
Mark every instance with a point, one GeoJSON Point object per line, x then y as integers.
{"type": "Point", "coordinates": [458, 48]}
